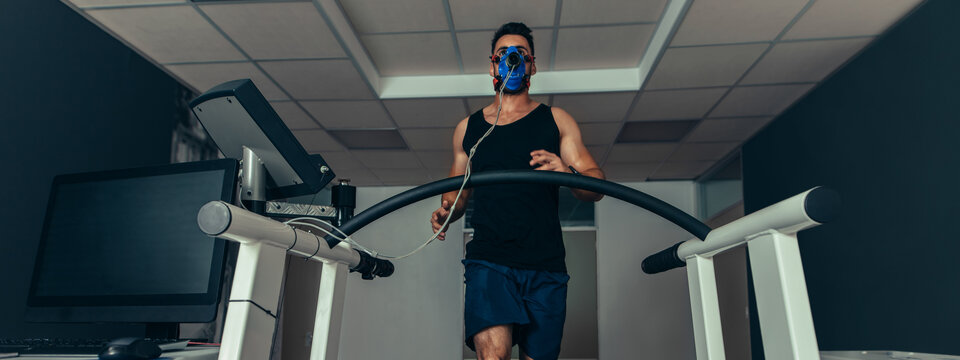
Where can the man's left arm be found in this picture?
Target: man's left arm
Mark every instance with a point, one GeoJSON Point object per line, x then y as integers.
{"type": "Point", "coordinates": [572, 153]}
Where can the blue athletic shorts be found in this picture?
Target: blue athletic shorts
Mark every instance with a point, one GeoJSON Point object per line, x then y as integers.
{"type": "Point", "coordinates": [534, 302]}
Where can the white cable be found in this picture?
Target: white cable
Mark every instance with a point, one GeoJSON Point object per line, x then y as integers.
{"type": "Point", "coordinates": [466, 177]}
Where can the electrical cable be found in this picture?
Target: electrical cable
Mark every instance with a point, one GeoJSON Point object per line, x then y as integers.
{"type": "Point", "coordinates": [466, 177]}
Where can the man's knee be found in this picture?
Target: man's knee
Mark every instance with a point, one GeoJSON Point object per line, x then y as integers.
{"type": "Point", "coordinates": [494, 343]}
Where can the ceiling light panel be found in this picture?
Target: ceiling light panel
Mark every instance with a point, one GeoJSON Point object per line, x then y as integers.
{"type": "Point", "coordinates": [675, 104]}
{"type": "Point", "coordinates": [655, 131]}
{"type": "Point", "coordinates": [442, 112]}
{"type": "Point", "coordinates": [363, 114]}
{"type": "Point", "coordinates": [730, 130]}
{"type": "Point", "coordinates": [205, 76]}
{"type": "Point", "coordinates": [759, 100]}
{"type": "Point", "coordinates": [475, 49]}
{"type": "Point", "coordinates": [803, 61]}
{"type": "Point", "coordinates": [686, 170]}
{"type": "Point", "coordinates": [849, 18]}
{"type": "Point", "coordinates": [601, 47]}
{"type": "Point", "coordinates": [293, 116]}
{"type": "Point", "coordinates": [369, 139]}
{"type": "Point", "coordinates": [591, 12]}
{"type": "Point", "coordinates": [317, 141]}
{"type": "Point", "coordinates": [703, 151]}
{"type": "Point", "coordinates": [429, 139]}
{"type": "Point", "coordinates": [640, 153]}
{"type": "Point", "coordinates": [629, 172]}
{"type": "Point", "coordinates": [412, 54]}
{"type": "Point", "coordinates": [93, 3]}
{"type": "Point", "coordinates": [704, 66]}
{"type": "Point", "coordinates": [490, 14]}
{"type": "Point", "coordinates": [276, 30]}
{"type": "Point", "coordinates": [734, 21]}
{"type": "Point", "coordinates": [387, 159]}
{"type": "Point", "coordinates": [319, 79]}
{"type": "Point", "coordinates": [168, 33]}
{"type": "Point", "coordinates": [389, 16]}
{"type": "Point", "coordinates": [595, 107]}
{"type": "Point", "coordinates": [599, 133]}
{"type": "Point", "coordinates": [436, 159]}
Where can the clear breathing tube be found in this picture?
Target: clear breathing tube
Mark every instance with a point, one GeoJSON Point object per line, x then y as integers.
{"type": "Point", "coordinates": [466, 176]}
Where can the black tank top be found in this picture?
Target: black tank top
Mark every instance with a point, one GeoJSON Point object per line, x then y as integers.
{"type": "Point", "coordinates": [515, 225]}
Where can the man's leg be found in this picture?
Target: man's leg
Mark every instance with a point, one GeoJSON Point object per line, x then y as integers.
{"type": "Point", "coordinates": [494, 343]}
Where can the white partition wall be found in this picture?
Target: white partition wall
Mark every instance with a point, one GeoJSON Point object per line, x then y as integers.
{"type": "Point", "coordinates": [642, 316]}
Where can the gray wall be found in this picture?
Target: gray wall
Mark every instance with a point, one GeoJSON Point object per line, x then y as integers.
{"type": "Point", "coordinates": [72, 99]}
{"type": "Point", "coordinates": [642, 316]}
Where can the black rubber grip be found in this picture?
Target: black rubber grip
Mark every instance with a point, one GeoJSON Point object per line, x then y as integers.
{"type": "Point", "coordinates": [663, 260]}
{"type": "Point", "coordinates": [822, 205]}
{"type": "Point", "coordinates": [371, 267]}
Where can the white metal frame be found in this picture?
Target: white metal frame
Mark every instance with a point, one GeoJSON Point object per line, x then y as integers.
{"type": "Point", "coordinates": [780, 287]}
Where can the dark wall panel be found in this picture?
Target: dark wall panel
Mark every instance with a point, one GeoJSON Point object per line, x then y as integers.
{"type": "Point", "coordinates": [72, 99]}
{"type": "Point", "coordinates": [885, 132]}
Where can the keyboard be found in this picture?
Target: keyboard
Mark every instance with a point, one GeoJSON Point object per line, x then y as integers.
{"type": "Point", "coordinates": [62, 346]}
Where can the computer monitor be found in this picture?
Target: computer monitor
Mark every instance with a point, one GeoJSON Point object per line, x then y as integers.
{"type": "Point", "coordinates": [124, 246]}
{"type": "Point", "coordinates": [235, 115]}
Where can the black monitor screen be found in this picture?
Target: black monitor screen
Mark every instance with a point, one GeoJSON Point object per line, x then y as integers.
{"type": "Point", "coordinates": [125, 244]}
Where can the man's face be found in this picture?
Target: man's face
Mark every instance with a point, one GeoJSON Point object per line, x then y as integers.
{"type": "Point", "coordinates": [522, 45]}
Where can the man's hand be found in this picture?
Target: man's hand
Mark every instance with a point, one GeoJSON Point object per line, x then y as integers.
{"type": "Point", "coordinates": [548, 161]}
{"type": "Point", "coordinates": [438, 217]}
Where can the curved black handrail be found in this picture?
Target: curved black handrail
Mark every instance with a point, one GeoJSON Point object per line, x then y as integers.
{"type": "Point", "coordinates": [615, 190]}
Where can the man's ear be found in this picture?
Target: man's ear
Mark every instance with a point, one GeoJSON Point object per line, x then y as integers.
{"type": "Point", "coordinates": [533, 67]}
{"type": "Point", "coordinates": [492, 73]}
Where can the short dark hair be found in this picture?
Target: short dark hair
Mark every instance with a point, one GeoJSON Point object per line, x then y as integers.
{"type": "Point", "coordinates": [512, 28]}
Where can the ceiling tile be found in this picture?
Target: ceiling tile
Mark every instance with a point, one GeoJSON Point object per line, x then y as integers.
{"type": "Point", "coordinates": [490, 14]}
{"type": "Point", "coordinates": [477, 103]}
{"type": "Point", "coordinates": [377, 139]}
{"type": "Point", "coordinates": [276, 30]}
{"type": "Point", "coordinates": [686, 170]}
{"type": "Point", "coordinates": [319, 79]}
{"type": "Point", "coordinates": [655, 131]}
{"type": "Point", "coordinates": [637, 153]}
{"type": "Point", "coordinates": [675, 104]}
{"type": "Point", "coordinates": [365, 114]}
{"type": "Point", "coordinates": [803, 61]}
{"type": "Point", "coordinates": [736, 129]}
{"type": "Point", "coordinates": [412, 54]}
{"type": "Point", "coordinates": [89, 3]}
{"type": "Point", "coordinates": [622, 47]}
{"type": "Point", "coordinates": [358, 176]}
{"type": "Point", "coordinates": [441, 112]}
{"type": "Point", "coordinates": [317, 141]}
{"type": "Point", "coordinates": [436, 159]}
{"type": "Point", "coordinates": [388, 159]}
{"type": "Point", "coordinates": [438, 174]}
{"type": "Point", "coordinates": [704, 66]}
{"type": "Point", "coordinates": [849, 18]}
{"type": "Point", "coordinates": [584, 12]}
{"type": "Point", "coordinates": [731, 21]}
{"type": "Point", "coordinates": [429, 139]}
{"type": "Point", "coordinates": [293, 116]}
{"type": "Point", "coordinates": [629, 172]}
{"type": "Point", "coordinates": [599, 133]}
{"type": "Point", "coordinates": [702, 151]}
{"type": "Point", "coordinates": [203, 77]}
{"type": "Point", "coordinates": [759, 100]}
{"type": "Point", "coordinates": [168, 33]}
{"type": "Point", "coordinates": [595, 107]}
{"type": "Point", "coordinates": [380, 16]}
{"type": "Point", "coordinates": [475, 50]}
{"type": "Point", "coordinates": [598, 152]}
{"type": "Point", "coordinates": [340, 161]}
{"type": "Point", "coordinates": [397, 177]}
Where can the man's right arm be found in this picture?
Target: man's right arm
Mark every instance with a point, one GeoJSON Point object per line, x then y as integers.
{"type": "Point", "coordinates": [459, 167]}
